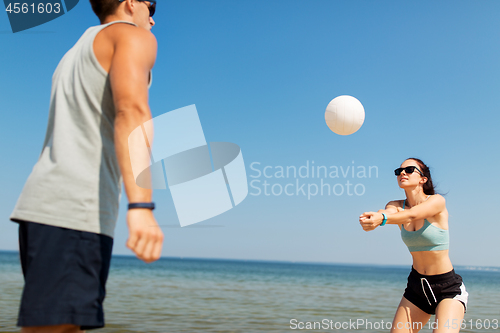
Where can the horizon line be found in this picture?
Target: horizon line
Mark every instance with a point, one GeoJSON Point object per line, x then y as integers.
{"type": "Point", "coordinates": [324, 263]}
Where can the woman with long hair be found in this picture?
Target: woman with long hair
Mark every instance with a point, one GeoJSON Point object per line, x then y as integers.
{"type": "Point", "coordinates": [433, 286]}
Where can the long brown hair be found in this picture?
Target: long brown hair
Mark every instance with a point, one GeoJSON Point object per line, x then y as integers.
{"type": "Point", "coordinates": [428, 186]}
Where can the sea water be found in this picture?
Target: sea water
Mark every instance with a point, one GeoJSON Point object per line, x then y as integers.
{"type": "Point", "coordinates": [208, 295]}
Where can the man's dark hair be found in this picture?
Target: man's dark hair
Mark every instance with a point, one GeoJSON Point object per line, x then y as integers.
{"type": "Point", "coordinates": [104, 8]}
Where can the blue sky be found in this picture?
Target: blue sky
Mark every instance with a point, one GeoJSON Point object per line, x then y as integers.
{"type": "Point", "coordinates": [261, 74]}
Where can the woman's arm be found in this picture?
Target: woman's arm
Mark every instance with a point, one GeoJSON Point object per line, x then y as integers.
{"type": "Point", "coordinates": [367, 219]}
{"type": "Point", "coordinates": [431, 207]}
{"type": "Point", "coordinates": [390, 208]}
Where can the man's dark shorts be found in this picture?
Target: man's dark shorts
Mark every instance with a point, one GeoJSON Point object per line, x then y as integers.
{"type": "Point", "coordinates": [65, 273]}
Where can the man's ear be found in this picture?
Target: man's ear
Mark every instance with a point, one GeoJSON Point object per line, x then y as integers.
{"type": "Point", "coordinates": [129, 6]}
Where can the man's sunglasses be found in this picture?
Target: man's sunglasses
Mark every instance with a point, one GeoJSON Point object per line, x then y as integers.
{"type": "Point", "coordinates": [151, 7]}
{"type": "Point", "coordinates": [408, 170]}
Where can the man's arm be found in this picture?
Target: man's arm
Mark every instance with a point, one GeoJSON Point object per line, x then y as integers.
{"type": "Point", "coordinates": [133, 58]}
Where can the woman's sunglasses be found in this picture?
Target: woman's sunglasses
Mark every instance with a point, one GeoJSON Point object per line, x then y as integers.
{"type": "Point", "coordinates": [151, 7]}
{"type": "Point", "coordinates": [408, 170]}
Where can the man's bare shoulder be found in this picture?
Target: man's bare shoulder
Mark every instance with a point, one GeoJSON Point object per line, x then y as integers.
{"type": "Point", "coordinates": [124, 40]}
{"type": "Point", "coordinates": [124, 33]}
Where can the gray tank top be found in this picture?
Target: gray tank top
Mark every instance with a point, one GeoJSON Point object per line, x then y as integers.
{"type": "Point", "coordinates": [76, 182]}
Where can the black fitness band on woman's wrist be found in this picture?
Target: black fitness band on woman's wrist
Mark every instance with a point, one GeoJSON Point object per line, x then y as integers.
{"type": "Point", "coordinates": [147, 205]}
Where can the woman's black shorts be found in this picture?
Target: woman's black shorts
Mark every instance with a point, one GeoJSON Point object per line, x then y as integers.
{"type": "Point", "coordinates": [65, 273]}
{"type": "Point", "coordinates": [426, 291]}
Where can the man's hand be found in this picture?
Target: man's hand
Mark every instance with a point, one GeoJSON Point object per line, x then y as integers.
{"type": "Point", "coordinates": [370, 220]}
{"type": "Point", "coordinates": [145, 236]}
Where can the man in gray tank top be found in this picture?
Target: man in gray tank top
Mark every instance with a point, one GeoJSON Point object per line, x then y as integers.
{"type": "Point", "coordinates": [68, 208]}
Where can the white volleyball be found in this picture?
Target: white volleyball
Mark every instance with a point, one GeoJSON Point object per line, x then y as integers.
{"type": "Point", "coordinates": [344, 115]}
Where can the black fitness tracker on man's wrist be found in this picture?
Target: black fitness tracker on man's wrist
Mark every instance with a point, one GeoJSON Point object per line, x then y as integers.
{"type": "Point", "coordinates": [147, 205]}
